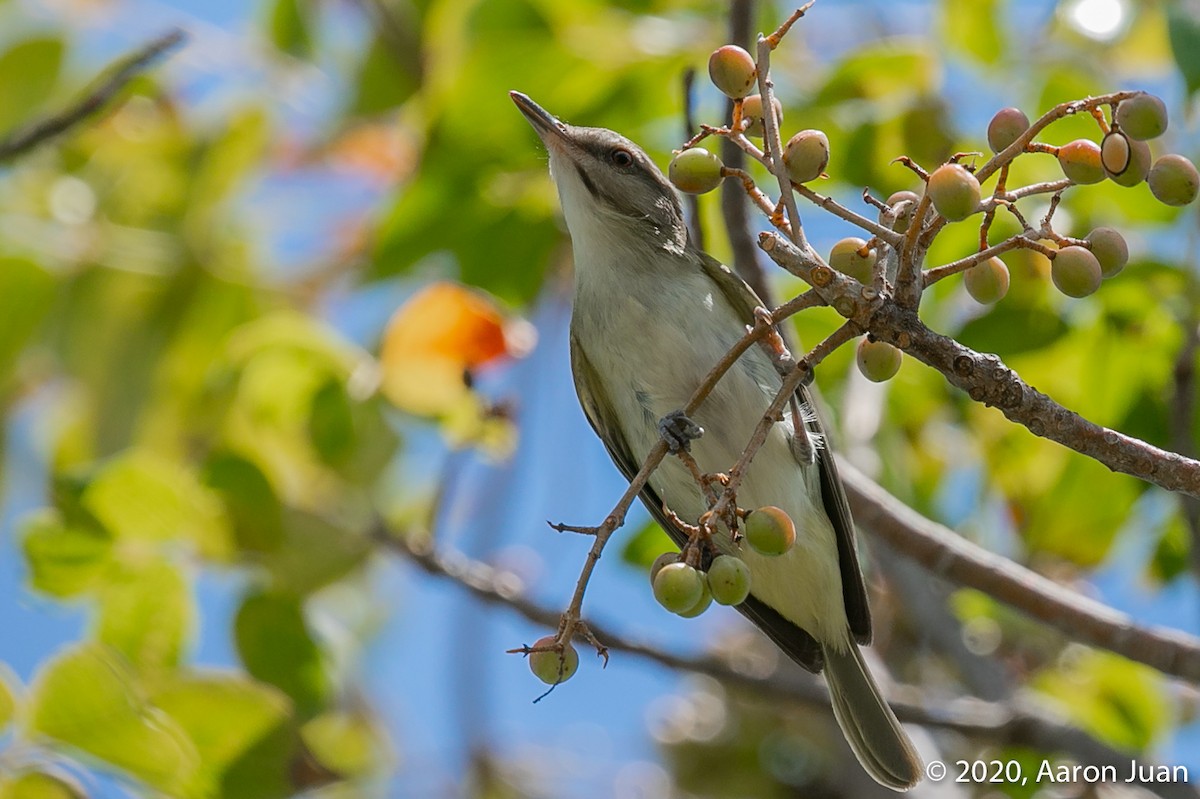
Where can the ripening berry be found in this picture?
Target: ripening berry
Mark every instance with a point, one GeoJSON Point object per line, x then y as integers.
{"type": "Point", "coordinates": [678, 587]}
{"type": "Point", "coordinates": [702, 604]}
{"type": "Point", "coordinates": [904, 218]}
{"type": "Point", "coordinates": [846, 257]}
{"type": "Point", "coordinates": [954, 191]}
{"type": "Point", "coordinates": [987, 281]}
{"type": "Point", "coordinates": [769, 531]}
{"type": "Point", "coordinates": [1142, 117]}
{"type": "Point", "coordinates": [729, 580]}
{"type": "Point", "coordinates": [1080, 161]}
{"type": "Point", "coordinates": [1139, 165]}
{"type": "Point", "coordinates": [1115, 153]}
{"type": "Point", "coordinates": [732, 71]}
{"type": "Point", "coordinates": [752, 111]}
{"type": "Point", "coordinates": [695, 171]}
{"type": "Point", "coordinates": [548, 667]}
{"type": "Point", "coordinates": [877, 360]}
{"type": "Point", "coordinates": [1173, 180]}
{"type": "Point", "coordinates": [1006, 127]}
{"type": "Point", "coordinates": [1075, 271]}
{"type": "Point", "coordinates": [660, 561]}
{"type": "Point", "coordinates": [1110, 250]}
{"type": "Point", "coordinates": [806, 155]}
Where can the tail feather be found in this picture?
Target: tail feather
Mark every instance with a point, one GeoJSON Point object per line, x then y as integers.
{"type": "Point", "coordinates": [869, 725]}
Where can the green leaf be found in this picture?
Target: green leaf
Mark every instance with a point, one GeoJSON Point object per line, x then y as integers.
{"type": "Point", "coordinates": [331, 423]}
{"type": "Point", "coordinates": [880, 71]}
{"type": "Point", "coordinates": [146, 613]}
{"type": "Point", "coordinates": [38, 785]}
{"type": "Point", "coordinates": [29, 72]}
{"type": "Point", "coordinates": [1183, 30]}
{"type": "Point", "coordinates": [8, 697]}
{"type": "Point", "coordinates": [387, 77]}
{"type": "Point", "coordinates": [1008, 329]}
{"type": "Point", "coordinates": [288, 26]}
{"type": "Point", "coordinates": [26, 293]}
{"type": "Point", "coordinates": [974, 29]}
{"type": "Point", "coordinates": [250, 500]}
{"type": "Point", "coordinates": [141, 496]}
{"type": "Point", "coordinates": [275, 645]}
{"type": "Point", "coordinates": [1172, 554]}
{"type": "Point", "coordinates": [87, 698]}
{"type": "Point", "coordinates": [644, 546]}
{"type": "Point", "coordinates": [229, 718]}
{"type": "Point", "coordinates": [314, 553]}
{"type": "Point", "coordinates": [63, 560]}
{"type": "Point", "coordinates": [348, 744]}
{"type": "Point", "coordinates": [1122, 703]}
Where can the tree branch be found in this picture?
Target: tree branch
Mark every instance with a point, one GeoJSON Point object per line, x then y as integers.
{"type": "Point", "coordinates": [985, 378]}
{"type": "Point", "coordinates": [945, 553]}
{"type": "Point", "coordinates": [990, 722]}
{"type": "Point", "coordinates": [27, 137]}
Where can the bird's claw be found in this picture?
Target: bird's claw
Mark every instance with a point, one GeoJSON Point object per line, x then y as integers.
{"type": "Point", "coordinates": [679, 431]}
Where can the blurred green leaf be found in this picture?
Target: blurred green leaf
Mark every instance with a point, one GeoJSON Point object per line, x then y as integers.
{"type": "Point", "coordinates": [975, 29]}
{"type": "Point", "coordinates": [314, 553]}
{"type": "Point", "coordinates": [146, 613]}
{"type": "Point", "coordinates": [63, 560]}
{"type": "Point", "coordinates": [139, 495]}
{"type": "Point", "coordinates": [331, 423]}
{"type": "Point", "coordinates": [346, 743]}
{"type": "Point", "coordinates": [275, 645]}
{"type": "Point", "coordinates": [38, 785]}
{"type": "Point", "coordinates": [387, 77]}
{"type": "Point", "coordinates": [288, 26]}
{"type": "Point", "coordinates": [1008, 329]}
{"type": "Point", "coordinates": [228, 717]}
{"type": "Point", "coordinates": [647, 544]}
{"type": "Point", "coordinates": [1072, 519]}
{"type": "Point", "coordinates": [8, 699]}
{"type": "Point", "coordinates": [28, 75]}
{"type": "Point", "coordinates": [1122, 703]}
{"type": "Point", "coordinates": [225, 163]}
{"type": "Point", "coordinates": [887, 70]}
{"type": "Point", "coordinates": [1183, 29]}
{"type": "Point", "coordinates": [250, 500]}
{"type": "Point", "coordinates": [26, 293]}
{"type": "Point", "coordinates": [1172, 554]}
{"type": "Point", "coordinates": [87, 698]}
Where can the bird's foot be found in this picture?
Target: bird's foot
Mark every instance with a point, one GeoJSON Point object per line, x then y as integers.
{"type": "Point", "coordinates": [679, 431]}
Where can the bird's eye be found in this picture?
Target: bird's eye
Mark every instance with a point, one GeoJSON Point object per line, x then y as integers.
{"type": "Point", "coordinates": [622, 157]}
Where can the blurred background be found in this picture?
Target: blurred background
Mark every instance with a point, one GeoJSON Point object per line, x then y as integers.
{"type": "Point", "coordinates": [236, 312]}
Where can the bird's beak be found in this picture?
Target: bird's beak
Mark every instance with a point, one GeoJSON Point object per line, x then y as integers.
{"type": "Point", "coordinates": [551, 131]}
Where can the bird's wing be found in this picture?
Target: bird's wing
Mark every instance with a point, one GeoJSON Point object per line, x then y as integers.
{"type": "Point", "coordinates": [743, 300]}
{"type": "Point", "coordinates": [597, 407]}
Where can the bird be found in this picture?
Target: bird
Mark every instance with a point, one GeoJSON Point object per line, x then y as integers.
{"type": "Point", "coordinates": [651, 315]}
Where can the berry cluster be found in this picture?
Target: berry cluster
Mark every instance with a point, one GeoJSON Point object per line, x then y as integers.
{"type": "Point", "coordinates": [952, 192]}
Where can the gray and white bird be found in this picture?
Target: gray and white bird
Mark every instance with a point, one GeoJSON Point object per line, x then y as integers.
{"type": "Point", "coordinates": [651, 316]}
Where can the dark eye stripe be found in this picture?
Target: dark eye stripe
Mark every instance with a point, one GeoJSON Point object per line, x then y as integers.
{"type": "Point", "coordinates": [587, 182]}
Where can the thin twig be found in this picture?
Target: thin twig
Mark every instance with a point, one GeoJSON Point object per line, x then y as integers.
{"type": "Point", "coordinates": [95, 100]}
{"type": "Point", "coordinates": [771, 140]}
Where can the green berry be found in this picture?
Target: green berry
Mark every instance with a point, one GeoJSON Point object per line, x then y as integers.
{"type": "Point", "coordinates": [1173, 180]}
{"type": "Point", "coordinates": [732, 71]}
{"type": "Point", "coordinates": [752, 112]}
{"type": "Point", "coordinates": [1142, 117]}
{"type": "Point", "coordinates": [729, 580]}
{"type": "Point", "coordinates": [904, 218]}
{"type": "Point", "coordinates": [702, 604]}
{"type": "Point", "coordinates": [987, 282]}
{"type": "Point", "coordinates": [1006, 127]}
{"type": "Point", "coordinates": [1075, 271]}
{"type": "Point", "coordinates": [954, 191]}
{"type": "Point", "coordinates": [678, 587]}
{"type": "Point", "coordinates": [548, 667]}
{"type": "Point", "coordinates": [1080, 161]}
{"type": "Point", "coordinates": [806, 155]}
{"type": "Point", "coordinates": [695, 171]}
{"type": "Point", "coordinates": [1110, 250]}
{"type": "Point", "coordinates": [877, 360]}
{"type": "Point", "coordinates": [1115, 153]}
{"type": "Point", "coordinates": [660, 561]}
{"type": "Point", "coordinates": [769, 531]}
{"type": "Point", "coordinates": [847, 257]}
{"type": "Point", "coordinates": [1139, 165]}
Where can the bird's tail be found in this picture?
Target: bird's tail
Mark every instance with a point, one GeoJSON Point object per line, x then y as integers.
{"type": "Point", "coordinates": [875, 735]}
